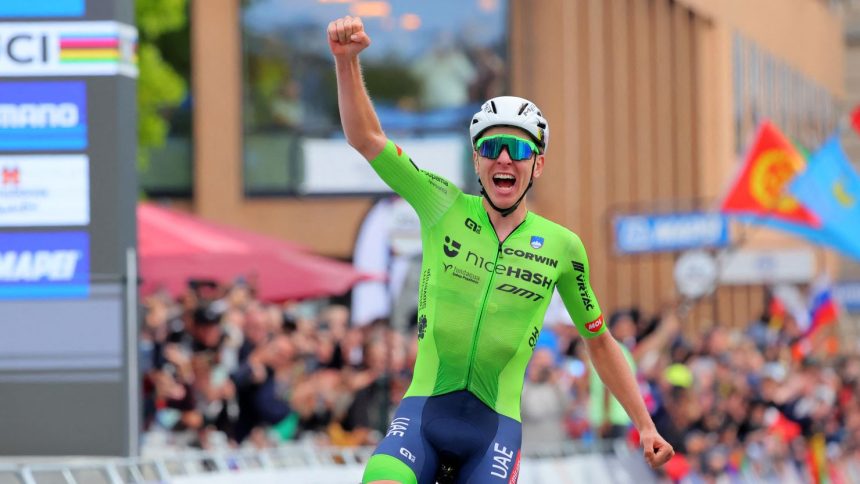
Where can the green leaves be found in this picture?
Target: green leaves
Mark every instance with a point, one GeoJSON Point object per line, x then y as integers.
{"type": "Point", "coordinates": [160, 88]}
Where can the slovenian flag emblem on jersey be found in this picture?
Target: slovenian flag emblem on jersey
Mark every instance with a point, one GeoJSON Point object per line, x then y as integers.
{"type": "Point", "coordinates": [537, 242]}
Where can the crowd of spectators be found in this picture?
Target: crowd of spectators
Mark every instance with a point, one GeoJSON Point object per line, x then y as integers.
{"type": "Point", "coordinates": [221, 366]}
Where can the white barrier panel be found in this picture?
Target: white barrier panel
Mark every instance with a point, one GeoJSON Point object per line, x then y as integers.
{"type": "Point", "coordinates": [307, 475]}
{"type": "Point", "coordinates": [590, 468]}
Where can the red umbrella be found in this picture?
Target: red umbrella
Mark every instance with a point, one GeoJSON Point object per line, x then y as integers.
{"type": "Point", "coordinates": [175, 247]}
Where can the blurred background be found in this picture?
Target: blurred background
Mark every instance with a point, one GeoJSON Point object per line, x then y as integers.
{"type": "Point", "coordinates": [201, 281]}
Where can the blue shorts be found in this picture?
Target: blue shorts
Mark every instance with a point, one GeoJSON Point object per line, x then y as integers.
{"type": "Point", "coordinates": [455, 428]}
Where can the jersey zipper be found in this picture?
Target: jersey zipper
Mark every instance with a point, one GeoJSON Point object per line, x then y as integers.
{"type": "Point", "coordinates": [487, 292]}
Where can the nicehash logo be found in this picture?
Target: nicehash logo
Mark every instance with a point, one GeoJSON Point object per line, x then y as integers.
{"type": "Point", "coordinates": [454, 248]}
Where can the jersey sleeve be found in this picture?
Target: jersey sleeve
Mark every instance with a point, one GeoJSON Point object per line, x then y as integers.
{"type": "Point", "coordinates": [574, 287]}
{"type": "Point", "coordinates": [429, 194]}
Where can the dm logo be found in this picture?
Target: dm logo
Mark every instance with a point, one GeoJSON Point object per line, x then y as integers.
{"type": "Point", "coordinates": [43, 116]}
{"type": "Point", "coordinates": [537, 242]}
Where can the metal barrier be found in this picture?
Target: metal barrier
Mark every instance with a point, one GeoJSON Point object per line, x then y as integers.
{"type": "Point", "coordinates": [609, 462]}
{"type": "Point", "coordinates": [169, 467]}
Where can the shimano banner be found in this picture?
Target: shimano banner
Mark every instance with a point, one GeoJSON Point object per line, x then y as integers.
{"type": "Point", "coordinates": [43, 116]}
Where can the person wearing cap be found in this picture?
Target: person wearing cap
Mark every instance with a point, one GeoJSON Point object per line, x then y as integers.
{"type": "Point", "coordinates": [489, 268]}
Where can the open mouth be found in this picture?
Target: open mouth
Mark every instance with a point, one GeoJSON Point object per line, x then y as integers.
{"type": "Point", "coordinates": [504, 180]}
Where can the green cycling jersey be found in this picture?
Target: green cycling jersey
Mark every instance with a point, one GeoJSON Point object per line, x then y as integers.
{"type": "Point", "coordinates": [482, 301]}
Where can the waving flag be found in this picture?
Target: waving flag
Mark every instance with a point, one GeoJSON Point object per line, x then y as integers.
{"type": "Point", "coordinates": [759, 193]}
{"type": "Point", "coordinates": [823, 311]}
{"type": "Point", "coordinates": [855, 119]}
{"type": "Point", "coordinates": [830, 187]}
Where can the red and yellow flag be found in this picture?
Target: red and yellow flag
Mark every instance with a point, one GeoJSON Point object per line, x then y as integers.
{"type": "Point", "coordinates": [761, 189]}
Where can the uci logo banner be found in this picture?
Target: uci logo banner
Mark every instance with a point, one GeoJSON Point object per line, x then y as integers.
{"type": "Point", "coordinates": [102, 48]}
{"type": "Point", "coordinates": [43, 116]}
{"type": "Point", "coordinates": [38, 265]}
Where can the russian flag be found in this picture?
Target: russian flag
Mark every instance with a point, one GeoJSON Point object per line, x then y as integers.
{"type": "Point", "coordinates": [822, 310]}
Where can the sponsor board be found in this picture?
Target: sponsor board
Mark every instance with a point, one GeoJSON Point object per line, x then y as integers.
{"type": "Point", "coordinates": [848, 295]}
{"type": "Point", "coordinates": [37, 265]}
{"type": "Point", "coordinates": [43, 116]}
{"type": "Point", "coordinates": [671, 232]}
{"type": "Point", "coordinates": [331, 166]}
{"type": "Point", "coordinates": [44, 190]}
{"type": "Point", "coordinates": [42, 8]}
{"type": "Point", "coordinates": [101, 48]}
{"type": "Point", "coordinates": [767, 266]}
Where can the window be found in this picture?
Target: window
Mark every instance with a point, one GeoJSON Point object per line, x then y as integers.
{"type": "Point", "coordinates": [429, 68]}
{"type": "Point", "coordinates": [765, 87]}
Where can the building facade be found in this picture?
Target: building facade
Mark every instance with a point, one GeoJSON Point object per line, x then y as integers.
{"type": "Point", "coordinates": [651, 105]}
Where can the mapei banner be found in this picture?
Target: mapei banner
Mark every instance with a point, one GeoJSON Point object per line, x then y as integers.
{"type": "Point", "coordinates": [43, 116]}
{"type": "Point", "coordinates": [670, 232]}
{"type": "Point", "coordinates": [42, 8]}
{"type": "Point", "coordinates": [46, 190]}
{"type": "Point", "coordinates": [38, 265]}
{"type": "Point", "coordinates": [99, 48]}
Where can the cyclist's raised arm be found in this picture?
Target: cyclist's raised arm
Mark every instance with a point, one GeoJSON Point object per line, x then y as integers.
{"type": "Point", "coordinates": [346, 38]}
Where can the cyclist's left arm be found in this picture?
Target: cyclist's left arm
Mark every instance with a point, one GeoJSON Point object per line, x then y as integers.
{"type": "Point", "coordinates": [574, 286]}
{"type": "Point", "coordinates": [615, 373]}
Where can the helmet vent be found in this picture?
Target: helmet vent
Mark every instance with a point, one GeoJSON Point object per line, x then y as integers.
{"type": "Point", "coordinates": [522, 108]}
{"type": "Point", "coordinates": [493, 105]}
{"type": "Point", "coordinates": [541, 125]}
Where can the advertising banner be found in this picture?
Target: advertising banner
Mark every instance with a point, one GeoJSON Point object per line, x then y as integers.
{"type": "Point", "coordinates": [99, 48]}
{"type": "Point", "coordinates": [37, 265]}
{"type": "Point", "coordinates": [44, 190]}
{"type": "Point", "coordinates": [669, 232]}
{"type": "Point", "coordinates": [42, 8]}
{"type": "Point", "coordinates": [43, 116]}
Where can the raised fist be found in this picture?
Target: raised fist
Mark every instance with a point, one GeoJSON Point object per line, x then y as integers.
{"type": "Point", "coordinates": [346, 36]}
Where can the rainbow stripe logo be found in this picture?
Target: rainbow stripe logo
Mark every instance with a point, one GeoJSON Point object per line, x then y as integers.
{"type": "Point", "coordinates": [78, 47]}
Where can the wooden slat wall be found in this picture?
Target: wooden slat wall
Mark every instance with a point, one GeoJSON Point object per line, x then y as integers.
{"type": "Point", "coordinates": [665, 85]}
{"type": "Point", "coordinates": [622, 290]}
{"type": "Point", "coordinates": [644, 136]}
{"type": "Point", "coordinates": [625, 89]}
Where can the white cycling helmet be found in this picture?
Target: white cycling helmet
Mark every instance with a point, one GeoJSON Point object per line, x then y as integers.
{"type": "Point", "coordinates": [511, 111]}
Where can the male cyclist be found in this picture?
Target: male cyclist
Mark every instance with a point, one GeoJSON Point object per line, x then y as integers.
{"type": "Point", "coordinates": [488, 273]}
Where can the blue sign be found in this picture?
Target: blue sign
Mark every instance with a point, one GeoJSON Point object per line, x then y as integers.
{"type": "Point", "coordinates": [848, 295]}
{"type": "Point", "coordinates": [670, 232]}
{"type": "Point", "coordinates": [43, 116]}
{"type": "Point", "coordinates": [42, 8]}
{"type": "Point", "coordinates": [38, 265]}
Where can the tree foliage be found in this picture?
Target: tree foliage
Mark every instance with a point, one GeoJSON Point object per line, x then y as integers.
{"type": "Point", "coordinates": [160, 87]}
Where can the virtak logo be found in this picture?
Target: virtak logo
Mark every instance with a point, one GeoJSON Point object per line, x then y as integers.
{"type": "Point", "coordinates": [582, 285]}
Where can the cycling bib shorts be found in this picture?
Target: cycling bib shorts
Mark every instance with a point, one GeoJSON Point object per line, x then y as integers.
{"type": "Point", "coordinates": [455, 428]}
